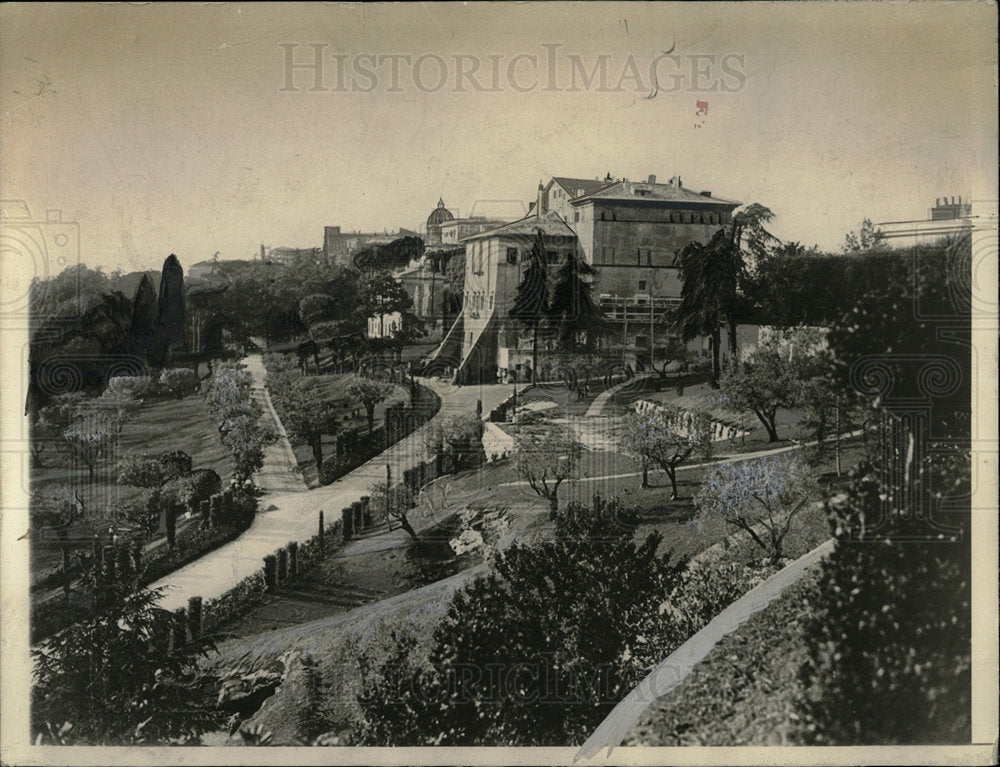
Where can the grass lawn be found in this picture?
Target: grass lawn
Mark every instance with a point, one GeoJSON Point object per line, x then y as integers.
{"type": "Point", "coordinates": [162, 425]}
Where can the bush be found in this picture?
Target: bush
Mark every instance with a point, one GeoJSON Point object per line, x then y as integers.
{"type": "Point", "coordinates": [536, 653]}
{"type": "Point", "coordinates": [193, 488]}
{"type": "Point", "coordinates": [128, 387]}
{"type": "Point", "coordinates": [176, 463]}
{"type": "Point", "coordinates": [180, 382]}
{"type": "Point", "coordinates": [890, 637]}
{"type": "Point", "coordinates": [142, 470]}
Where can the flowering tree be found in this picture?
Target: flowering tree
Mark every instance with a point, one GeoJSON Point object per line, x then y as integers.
{"type": "Point", "coordinates": [545, 459]}
{"type": "Point", "coordinates": [667, 440]}
{"type": "Point", "coordinates": [88, 440]}
{"type": "Point", "coordinates": [392, 503]}
{"type": "Point", "coordinates": [760, 497]}
{"type": "Point", "coordinates": [239, 418]}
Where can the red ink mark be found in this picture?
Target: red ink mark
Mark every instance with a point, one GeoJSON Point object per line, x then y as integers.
{"type": "Point", "coordinates": [702, 108]}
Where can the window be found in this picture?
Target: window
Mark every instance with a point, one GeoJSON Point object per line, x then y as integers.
{"type": "Point", "coordinates": [608, 255]}
{"type": "Point", "coordinates": [602, 215]}
{"type": "Point", "coordinates": [576, 216]}
{"type": "Point", "coordinates": [511, 255]}
{"type": "Point", "coordinates": [642, 285]}
{"type": "Point", "coordinates": [491, 299]}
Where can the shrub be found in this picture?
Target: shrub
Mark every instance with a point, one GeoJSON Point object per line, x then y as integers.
{"type": "Point", "coordinates": [128, 387]}
{"type": "Point", "coordinates": [142, 470]}
{"type": "Point", "coordinates": [889, 640]}
{"type": "Point", "coordinates": [181, 382]}
{"type": "Point", "coordinates": [193, 488]}
{"type": "Point", "coordinates": [536, 653]}
{"type": "Point", "coordinates": [176, 463]}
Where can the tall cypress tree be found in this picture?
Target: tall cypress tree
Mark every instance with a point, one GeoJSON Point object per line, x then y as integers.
{"type": "Point", "coordinates": [531, 302]}
{"type": "Point", "coordinates": [572, 308]}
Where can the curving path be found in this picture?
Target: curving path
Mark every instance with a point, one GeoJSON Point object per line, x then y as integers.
{"type": "Point", "coordinates": [292, 514]}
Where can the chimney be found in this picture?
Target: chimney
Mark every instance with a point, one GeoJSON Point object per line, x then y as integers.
{"type": "Point", "coordinates": [680, 184]}
{"type": "Point", "coordinates": [706, 194]}
{"type": "Point", "coordinates": [542, 204]}
{"type": "Point", "coordinates": [652, 179]}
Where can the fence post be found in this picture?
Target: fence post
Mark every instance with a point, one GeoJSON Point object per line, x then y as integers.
{"type": "Point", "coordinates": [172, 524]}
{"type": "Point", "coordinates": [359, 521]}
{"type": "Point", "coordinates": [270, 572]}
{"type": "Point", "coordinates": [293, 558]}
{"type": "Point", "coordinates": [195, 617]}
{"type": "Point", "coordinates": [178, 629]}
{"type": "Point", "coordinates": [322, 533]}
{"type": "Point", "coordinates": [204, 511]}
{"type": "Point", "coordinates": [366, 511]}
{"type": "Point", "coordinates": [347, 519]}
{"type": "Point", "coordinates": [282, 565]}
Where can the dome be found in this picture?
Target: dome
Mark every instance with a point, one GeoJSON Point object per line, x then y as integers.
{"type": "Point", "coordinates": [439, 215]}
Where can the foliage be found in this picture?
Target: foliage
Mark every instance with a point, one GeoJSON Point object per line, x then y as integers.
{"type": "Point", "coordinates": [545, 457]}
{"type": "Point", "coordinates": [129, 387]}
{"type": "Point", "coordinates": [113, 679]}
{"type": "Point", "coordinates": [181, 382]}
{"type": "Point", "coordinates": [572, 309]}
{"type": "Point", "coordinates": [239, 417]}
{"type": "Point", "coordinates": [531, 301]}
{"type": "Point", "coordinates": [193, 488]}
{"type": "Point", "coordinates": [535, 653]}
{"type": "Point", "coordinates": [716, 279]}
{"type": "Point", "coordinates": [866, 239]}
{"type": "Point", "coordinates": [305, 413]}
{"type": "Point", "coordinates": [759, 496]}
{"type": "Point", "coordinates": [456, 441]}
{"type": "Point", "coordinates": [393, 255]}
{"type": "Point", "coordinates": [318, 307]}
{"type": "Point", "coordinates": [88, 440]}
{"type": "Point", "coordinates": [890, 638]}
{"type": "Point", "coordinates": [667, 439]}
{"type": "Point", "coordinates": [392, 503]}
{"type": "Point", "coordinates": [370, 392]}
{"type": "Point", "coordinates": [774, 374]}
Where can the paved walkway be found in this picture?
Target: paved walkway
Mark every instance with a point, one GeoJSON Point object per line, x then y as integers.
{"type": "Point", "coordinates": [280, 472]}
{"type": "Point", "coordinates": [294, 516]}
{"type": "Point", "coordinates": [671, 672]}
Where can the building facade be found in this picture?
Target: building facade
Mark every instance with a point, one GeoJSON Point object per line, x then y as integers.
{"type": "Point", "coordinates": [628, 231]}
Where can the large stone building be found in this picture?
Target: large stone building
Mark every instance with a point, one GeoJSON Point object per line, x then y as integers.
{"type": "Point", "coordinates": [949, 217]}
{"type": "Point", "coordinates": [629, 231]}
{"type": "Point", "coordinates": [339, 247]}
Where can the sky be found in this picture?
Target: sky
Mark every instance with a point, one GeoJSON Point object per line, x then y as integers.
{"type": "Point", "coordinates": [164, 129]}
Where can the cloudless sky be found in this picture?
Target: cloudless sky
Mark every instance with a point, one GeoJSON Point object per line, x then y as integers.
{"type": "Point", "coordinates": [164, 128]}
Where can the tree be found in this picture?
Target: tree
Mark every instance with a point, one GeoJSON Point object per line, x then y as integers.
{"type": "Point", "coordinates": [88, 439]}
{"type": "Point", "coordinates": [536, 653]}
{"type": "Point", "coordinates": [370, 392]}
{"type": "Point", "coordinates": [318, 307]}
{"type": "Point", "coordinates": [181, 382]}
{"type": "Point", "coordinates": [51, 422]}
{"type": "Point", "coordinates": [657, 436]}
{"type": "Point", "coordinates": [572, 309]}
{"type": "Point", "coordinates": [772, 375]}
{"type": "Point", "coordinates": [239, 420]}
{"type": "Point", "coordinates": [392, 504]}
{"type": "Point", "coordinates": [760, 497]}
{"type": "Point", "coordinates": [457, 440]}
{"type": "Point", "coordinates": [56, 509]}
{"type": "Point", "coordinates": [531, 301]}
{"type": "Point", "coordinates": [866, 239]}
{"type": "Point", "coordinates": [306, 414]}
{"type": "Point", "coordinates": [716, 277]}
{"type": "Point", "coordinates": [113, 679]}
{"type": "Point", "coordinates": [382, 294]}
{"type": "Point", "coordinates": [545, 457]}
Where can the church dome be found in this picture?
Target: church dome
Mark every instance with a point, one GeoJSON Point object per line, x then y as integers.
{"type": "Point", "coordinates": [439, 215]}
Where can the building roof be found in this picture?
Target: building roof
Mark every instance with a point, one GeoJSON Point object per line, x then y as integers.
{"type": "Point", "coordinates": [578, 187]}
{"type": "Point", "coordinates": [644, 190]}
{"type": "Point", "coordinates": [439, 215]}
{"type": "Point", "coordinates": [550, 223]}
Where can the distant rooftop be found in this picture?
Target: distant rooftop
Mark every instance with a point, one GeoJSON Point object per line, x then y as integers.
{"type": "Point", "coordinates": [649, 189]}
{"type": "Point", "coordinates": [550, 223]}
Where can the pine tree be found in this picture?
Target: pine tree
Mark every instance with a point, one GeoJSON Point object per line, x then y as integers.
{"type": "Point", "coordinates": [531, 302]}
{"type": "Point", "coordinates": [572, 308]}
